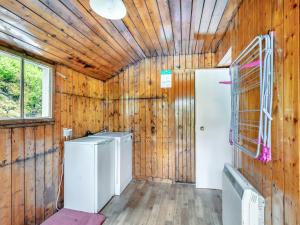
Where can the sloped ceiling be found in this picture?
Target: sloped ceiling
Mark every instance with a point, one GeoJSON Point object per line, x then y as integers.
{"type": "Point", "coordinates": [70, 33]}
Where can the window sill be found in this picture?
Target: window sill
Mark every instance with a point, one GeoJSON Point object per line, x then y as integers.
{"type": "Point", "coordinates": [26, 122]}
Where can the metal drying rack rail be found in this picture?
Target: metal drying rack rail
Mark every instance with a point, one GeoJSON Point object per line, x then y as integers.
{"type": "Point", "coordinates": [251, 98]}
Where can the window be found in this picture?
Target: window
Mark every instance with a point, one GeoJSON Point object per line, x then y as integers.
{"type": "Point", "coordinates": [25, 88]}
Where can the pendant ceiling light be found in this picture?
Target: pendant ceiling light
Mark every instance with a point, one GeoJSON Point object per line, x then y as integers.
{"type": "Point", "coordinates": [109, 9]}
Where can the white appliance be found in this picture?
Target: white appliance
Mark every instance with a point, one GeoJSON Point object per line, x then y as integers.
{"type": "Point", "coordinates": [88, 173]}
{"type": "Point", "coordinates": [241, 202]}
{"type": "Point", "coordinates": [123, 158]}
{"type": "Point", "coordinates": [212, 102]}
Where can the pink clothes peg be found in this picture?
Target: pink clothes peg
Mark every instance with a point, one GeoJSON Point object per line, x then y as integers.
{"type": "Point", "coordinates": [251, 64]}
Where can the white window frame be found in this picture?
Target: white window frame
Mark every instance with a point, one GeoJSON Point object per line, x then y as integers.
{"type": "Point", "coordinates": [22, 119]}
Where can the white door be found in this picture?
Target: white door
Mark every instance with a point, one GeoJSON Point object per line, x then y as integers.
{"type": "Point", "coordinates": [212, 126]}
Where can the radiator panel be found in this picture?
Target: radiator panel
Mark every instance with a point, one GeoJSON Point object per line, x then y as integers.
{"type": "Point", "coordinates": [231, 204]}
{"type": "Point", "coordinates": [242, 204]}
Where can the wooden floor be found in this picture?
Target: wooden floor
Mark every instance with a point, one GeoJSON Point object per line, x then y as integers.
{"type": "Point", "coordinates": [164, 204]}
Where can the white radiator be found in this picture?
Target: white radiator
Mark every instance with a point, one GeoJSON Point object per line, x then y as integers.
{"type": "Point", "coordinates": [241, 202]}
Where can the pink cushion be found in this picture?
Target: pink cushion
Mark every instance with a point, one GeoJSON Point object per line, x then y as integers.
{"type": "Point", "coordinates": [72, 217]}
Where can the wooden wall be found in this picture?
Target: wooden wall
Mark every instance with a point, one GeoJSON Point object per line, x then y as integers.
{"type": "Point", "coordinates": [30, 157]}
{"type": "Point", "coordinates": [162, 120]}
{"type": "Point", "coordinates": [278, 181]}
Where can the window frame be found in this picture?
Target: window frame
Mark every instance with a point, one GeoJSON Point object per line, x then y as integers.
{"type": "Point", "coordinates": [22, 121]}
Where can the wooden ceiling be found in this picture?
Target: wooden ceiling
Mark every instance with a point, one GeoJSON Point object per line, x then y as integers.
{"type": "Point", "coordinates": [70, 33]}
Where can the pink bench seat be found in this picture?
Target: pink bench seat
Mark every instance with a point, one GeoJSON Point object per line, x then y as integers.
{"type": "Point", "coordinates": [73, 217]}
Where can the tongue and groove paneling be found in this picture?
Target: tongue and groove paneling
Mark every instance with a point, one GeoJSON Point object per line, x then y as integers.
{"type": "Point", "coordinates": [162, 120]}
{"type": "Point", "coordinates": [71, 33]}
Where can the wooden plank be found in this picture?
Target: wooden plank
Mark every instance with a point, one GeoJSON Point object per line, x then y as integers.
{"type": "Point", "coordinates": [180, 127]}
{"type": "Point", "coordinates": [159, 139]}
{"type": "Point", "coordinates": [159, 122]}
{"type": "Point", "coordinates": [172, 122]}
{"type": "Point", "coordinates": [5, 176]}
{"type": "Point", "coordinates": [181, 121]}
{"type": "Point", "coordinates": [39, 174]}
{"type": "Point", "coordinates": [197, 9]}
{"type": "Point", "coordinates": [49, 194]}
{"type": "Point", "coordinates": [111, 106]}
{"type": "Point", "coordinates": [131, 113]}
{"type": "Point", "coordinates": [148, 105]}
{"type": "Point", "coordinates": [291, 111]}
{"type": "Point", "coordinates": [188, 121]}
{"type": "Point", "coordinates": [18, 178]}
{"type": "Point", "coordinates": [165, 125]}
{"type": "Point", "coordinates": [106, 106]}
{"type": "Point", "coordinates": [148, 139]}
{"type": "Point", "coordinates": [176, 109]}
{"type": "Point", "coordinates": [164, 12]}
{"type": "Point", "coordinates": [58, 145]}
{"type": "Point", "coordinates": [153, 118]}
{"type": "Point", "coordinates": [142, 116]}
{"type": "Point", "coordinates": [116, 103]}
{"type": "Point", "coordinates": [277, 123]}
{"type": "Point", "coordinates": [155, 16]}
{"type": "Point", "coordinates": [30, 169]}
{"type": "Point", "coordinates": [121, 126]}
{"type": "Point", "coordinates": [176, 23]}
{"type": "Point", "coordinates": [136, 118]}
{"type": "Point", "coordinates": [186, 14]}
{"type": "Point", "coordinates": [126, 102]}
{"type": "Point", "coordinates": [184, 122]}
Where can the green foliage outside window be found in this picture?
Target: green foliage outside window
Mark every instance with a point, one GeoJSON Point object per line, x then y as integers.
{"type": "Point", "coordinates": [10, 88]}
{"type": "Point", "coordinates": [33, 90]}
{"type": "Point", "coordinates": [10, 70]}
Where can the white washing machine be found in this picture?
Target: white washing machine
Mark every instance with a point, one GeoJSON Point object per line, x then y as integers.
{"type": "Point", "coordinates": [88, 173]}
{"type": "Point", "coordinates": [123, 158]}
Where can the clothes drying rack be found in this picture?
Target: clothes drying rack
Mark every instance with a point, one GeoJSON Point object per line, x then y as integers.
{"type": "Point", "coordinates": [251, 98]}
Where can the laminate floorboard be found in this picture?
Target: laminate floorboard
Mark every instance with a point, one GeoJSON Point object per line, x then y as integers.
{"type": "Point", "coordinates": [151, 203]}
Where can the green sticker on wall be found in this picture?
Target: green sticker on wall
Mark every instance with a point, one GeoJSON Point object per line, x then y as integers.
{"type": "Point", "coordinates": [166, 78]}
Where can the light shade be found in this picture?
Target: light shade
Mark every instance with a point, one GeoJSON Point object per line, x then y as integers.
{"type": "Point", "coordinates": [109, 9]}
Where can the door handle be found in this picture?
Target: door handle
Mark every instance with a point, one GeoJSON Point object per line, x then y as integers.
{"type": "Point", "coordinates": [202, 128]}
